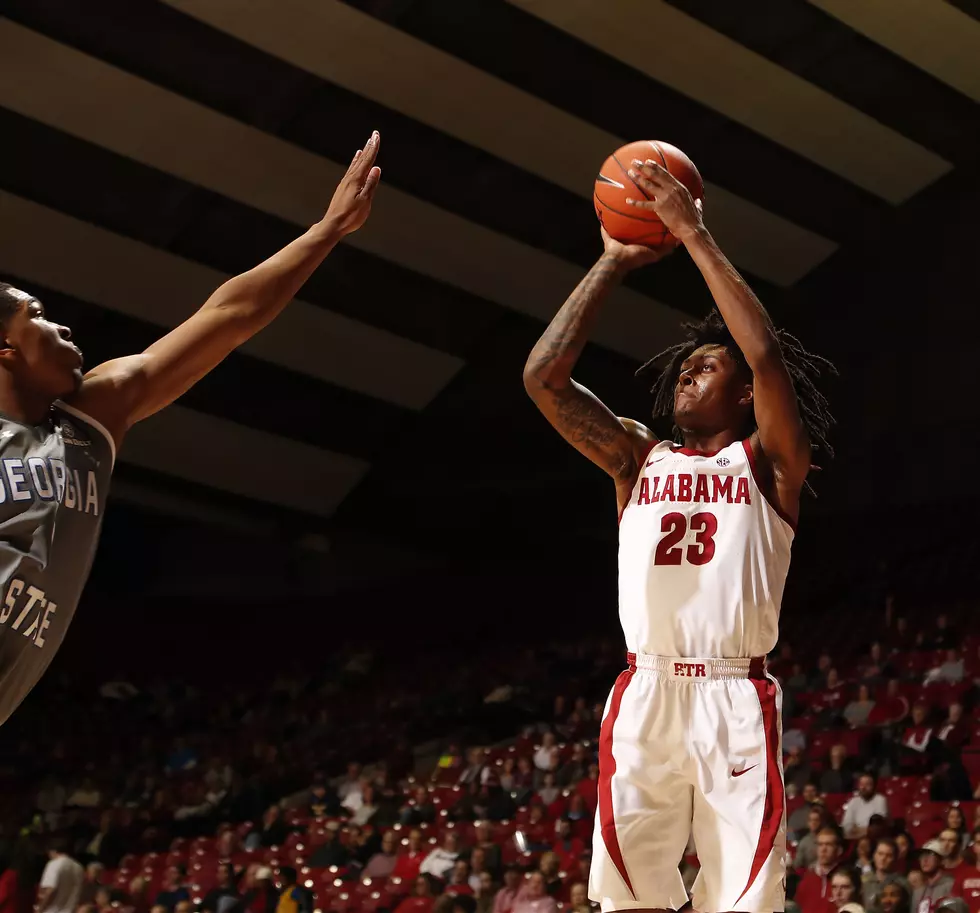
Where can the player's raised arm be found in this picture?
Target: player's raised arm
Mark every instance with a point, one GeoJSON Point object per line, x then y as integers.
{"type": "Point", "coordinates": [577, 414]}
{"type": "Point", "coordinates": [782, 433]}
{"type": "Point", "coordinates": [124, 391]}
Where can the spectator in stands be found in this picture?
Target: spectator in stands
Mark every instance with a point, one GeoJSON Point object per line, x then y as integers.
{"type": "Point", "coordinates": [818, 679]}
{"type": "Point", "coordinates": [955, 820]}
{"type": "Point", "coordinates": [831, 698]}
{"type": "Point", "coordinates": [863, 851]}
{"type": "Point", "coordinates": [890, 709]}
{"type": "Point", "coordinates": [421, 900]}
{"type": "Point", "coordinates": [439, 863]}
{"type": "Point", "coordinates": [798, 821]}
{"type": "Point", "coordinates": [86, 796]}
{"type": "Point", "coordinates": [61, 881]}
{"type": "Point", "coordinates": [459, 879]}
{"type": "Point", "coordinates": [954, 733]}
{"type": "Point", "coordinates": [579, 899]}
{"type": "Point", "coordinates": [537, 832]}
{"type": "Point", "coordinates": [273, 832]}
{"type": "Point", "coordinates": [967, 881]}
{"type": "Point", "coordinates": [857, 711]}
{"type": "Point", "coordinates": [459, 903]}
{"type": "Point", "coordinates": [567, 845]}
{"type": "Point", "coordinates": [915, 739]}
{"type": "Point", "coordinates": [260, 895]}
{"type": "Point", "coordinates": [885, 859]}
{"type": "Point", "coordinates": [507, 774]}
{"type": "Point", "coordinates": [952, 847]}
{"type": "Point", "coordinates": [837, 777]}
{"type": "Point", "coordinates": [478, 868]}
{"type": "Point", "coordinates": [952, 670]}
{"type": "Point", "coordinates": [507, 895]}
{"type": "Point", "coordinates": [814, 886]}
{"type": "Point", "coordinates": [575, 768]}
{"type": "Point", "coordinates": [894, 898]}
{"type": "Point", "coordinates": [797, 771]}
{"type": "Point", "coordinates": [550, 868]}
{"type": "Point", "coordinates": [224, 896]}
{"type": "Point", "coordinates": [859, 810]}
{"type": "Point", "coordinates": [382, 864]}
{"type": "Point", "coordinates": [845, 886]}
{"type": "Point", "coordinates": [806, 849]}
{"type": "Point", "coordinates": [320, 801]}
{"type": "Point", "coordinates": [937, 883]}
{"type": "Point", "coordinates": [486, 892]}
{"type": "Point", "coordinates": [94, 873]}
{"type": "Point", "coordinates": [546, 757]}
{"type": "Point", "coordinates": [524, 776]}
{"type": "Point", "coordinates": [796, 678]}
{"type": "Point", "coordinates": [332, 851]}
{"type": "Point", "coordinates": [139, 895]}
{"type": "Point", "coordinates": [944, 637]}
{"type": "Point", "coordinates": [350, 782]}
{"type": "Point", "coordinates": [366, 809]}
{"type": "Point", "coordinates": [174, 888]}
{"type": "Point", "coordinates": [548, 791]}
{"type": "Point", "coordinates": [905, 846]}
{"type": "Point", "coordinates": [475, 764]}
{"type": "Point", "coordinates": [491, 851]}
{"type": "Point", "coordinates": [534, 898]}
{"type": "Point", "coordinates": [410, 858]}
{"type": "Point", "coordinates": [875, 668]}
{"type": "Point", "coordinates": [420, 810]}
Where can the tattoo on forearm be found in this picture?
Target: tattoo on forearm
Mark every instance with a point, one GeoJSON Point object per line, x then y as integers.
{"type": "Point", "coordinates": [581, 418]}
{"type": "Point", "coordinates": [567, 333]}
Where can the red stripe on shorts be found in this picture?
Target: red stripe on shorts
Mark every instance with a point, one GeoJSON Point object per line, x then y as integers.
{"type": "Point", "coordinates": [607, 767]}
{"type": "Point", "coordinates": [772, 815]}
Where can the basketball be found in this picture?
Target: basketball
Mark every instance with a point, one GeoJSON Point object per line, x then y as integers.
{"type": "Point", "coordinates": [613, 186]}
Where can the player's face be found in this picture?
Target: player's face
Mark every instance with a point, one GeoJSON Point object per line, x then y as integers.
{"type": "Point", "coordinates": [39, 353]}
{"type": "Point", "coordinates": [711, 394]}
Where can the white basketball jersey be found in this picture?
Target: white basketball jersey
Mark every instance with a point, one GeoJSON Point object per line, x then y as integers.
{"type": "Point", "coordinates": [703, 556]}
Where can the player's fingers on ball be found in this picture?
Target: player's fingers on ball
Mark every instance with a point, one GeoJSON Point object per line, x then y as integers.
{"type": "Point", "coordinates": [643, 182]}
{"type": "Point", "coordinates": [641, 204]}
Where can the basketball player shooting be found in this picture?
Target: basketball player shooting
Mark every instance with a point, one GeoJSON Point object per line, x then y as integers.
{"type": "Point", "coordinates": [60, 429]}
{"type": "Point", "coordinates": [690, 740]}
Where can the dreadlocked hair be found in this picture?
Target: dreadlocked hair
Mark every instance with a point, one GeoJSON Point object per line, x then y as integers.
{"type": "Point", "coordinates": [804, 370]}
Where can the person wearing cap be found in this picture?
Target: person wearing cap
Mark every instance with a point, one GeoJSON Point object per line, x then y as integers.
{"type": "Point", "coordinates": [261, 895]}
{"type": "Point", "coordinates": [937, 882]}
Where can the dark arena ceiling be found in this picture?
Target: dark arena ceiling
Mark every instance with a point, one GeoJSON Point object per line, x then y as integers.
{"type": "Point", "coordinates": [151, 149]}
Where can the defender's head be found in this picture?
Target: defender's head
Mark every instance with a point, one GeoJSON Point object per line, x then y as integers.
{"type": "Point", "coordinates": [37, 355]}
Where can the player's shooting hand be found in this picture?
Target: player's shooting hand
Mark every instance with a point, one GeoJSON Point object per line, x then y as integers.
{"type": "Point", "coordinates": [668, 198]}
{"type": "Point", "coordinates": [631, 256]}
{"type": "Point", "coordinates": [351, 203]}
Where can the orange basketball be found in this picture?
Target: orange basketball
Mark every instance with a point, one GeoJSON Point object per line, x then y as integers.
{"type": "Point", "coordinates": [625, 223]}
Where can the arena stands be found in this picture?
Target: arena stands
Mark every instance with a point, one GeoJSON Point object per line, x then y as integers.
{"type": "Point", "coordinates": [427, 783]}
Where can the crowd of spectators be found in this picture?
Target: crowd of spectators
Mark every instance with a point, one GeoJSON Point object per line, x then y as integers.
{"type": "Point", "coordinates": [169, 800]}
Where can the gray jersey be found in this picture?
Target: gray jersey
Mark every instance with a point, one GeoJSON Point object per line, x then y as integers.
{"type": "Point", "coordinates": [54, 479]}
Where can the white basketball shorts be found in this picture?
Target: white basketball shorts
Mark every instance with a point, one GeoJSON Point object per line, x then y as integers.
{"type": "Point", "coordinates": [691, 746]}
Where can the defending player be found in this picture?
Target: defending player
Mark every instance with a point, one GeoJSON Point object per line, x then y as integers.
{"type": "Point", "coordinates": [691, 735]}
{"type": "Point", "coordinates": [59, 431]}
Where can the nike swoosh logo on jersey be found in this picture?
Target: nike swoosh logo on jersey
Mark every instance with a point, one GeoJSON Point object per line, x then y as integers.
{"type": "Point", "coordinates": [744, 770]}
